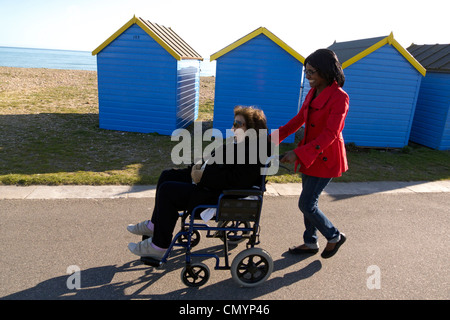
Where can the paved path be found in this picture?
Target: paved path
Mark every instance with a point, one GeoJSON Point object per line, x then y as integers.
{"type": "Point", "coordinates": [397, 246]}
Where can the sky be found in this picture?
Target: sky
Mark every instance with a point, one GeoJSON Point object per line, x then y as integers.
{"type": "Point", "coordinates": [209, 25]}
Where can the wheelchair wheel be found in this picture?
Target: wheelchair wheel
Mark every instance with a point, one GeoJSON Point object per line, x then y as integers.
{"type": "Point", "coordinates": [195, 238]}
{"type": "Point", "coordinates": [235, 237]}
{"type": "Point", "coordinates": [195, 275]}
{"type": "Point", "coordinates": [251, 267]}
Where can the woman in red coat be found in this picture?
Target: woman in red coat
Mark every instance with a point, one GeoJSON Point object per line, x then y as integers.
{"type": "Point", "coordinates": [321, 155]}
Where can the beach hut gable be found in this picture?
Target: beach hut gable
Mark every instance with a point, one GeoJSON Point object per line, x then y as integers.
{"type": "Point", "coordinates": [148, 79]}
{"type": "Point", "coordinates": [165, 37]}
{"type": "Point", "coordinates": [382, 80]}
{"type": "Point", "coordinates": [254, 34]}
{"type": "Point", "coordinates": [359, 51]}
{"type": "Point", "coordinates": [257, 70]}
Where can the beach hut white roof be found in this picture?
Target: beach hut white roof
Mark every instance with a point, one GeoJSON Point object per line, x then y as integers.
{"type": "Point", "coordinates": [166, 37]}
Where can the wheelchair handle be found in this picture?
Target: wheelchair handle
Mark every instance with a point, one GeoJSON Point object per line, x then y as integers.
{"type": "Point", "coordinates": [243, 192]}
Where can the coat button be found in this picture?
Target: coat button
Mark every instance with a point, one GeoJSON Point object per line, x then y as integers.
{"type": "Point", "coordinates": [313, 125]}
{"type": "Point", "coordinates": [317, 147]}
{"type": "Point", "coordinates": [325, 159]}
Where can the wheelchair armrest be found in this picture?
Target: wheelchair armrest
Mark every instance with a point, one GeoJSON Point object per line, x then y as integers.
{"type": "Point", "coordinates": [243, 192]}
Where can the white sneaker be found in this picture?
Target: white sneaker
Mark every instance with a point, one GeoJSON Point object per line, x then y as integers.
{"type": "Point", "coordinates": [145, 249]}
{"type": "Point", "coordinates": [140, 229]}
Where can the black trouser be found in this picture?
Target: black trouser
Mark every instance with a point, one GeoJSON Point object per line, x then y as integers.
{"type": "Point", "coordinates": [175, 192]}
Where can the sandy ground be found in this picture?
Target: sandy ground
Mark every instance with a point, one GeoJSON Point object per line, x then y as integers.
{"type": "Point", "coordinates": [30, 79]}
{"type": "Point", "coordinates": [18, 83]}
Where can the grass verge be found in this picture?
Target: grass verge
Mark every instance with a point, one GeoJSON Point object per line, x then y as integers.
{"type": "Point", "coordinates": [49, 134]}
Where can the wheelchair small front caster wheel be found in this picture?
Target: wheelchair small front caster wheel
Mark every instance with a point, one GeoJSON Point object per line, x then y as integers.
{"type": "Point", "coordinates": [195, 274]}
{"type": "Point", "coordinates": [195, 238]}
{"type": "Point", "coordinates": [251, 267]}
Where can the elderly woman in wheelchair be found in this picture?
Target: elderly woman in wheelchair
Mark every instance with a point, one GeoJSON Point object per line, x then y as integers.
{"type": "Point", "coordinates": [200, 184]}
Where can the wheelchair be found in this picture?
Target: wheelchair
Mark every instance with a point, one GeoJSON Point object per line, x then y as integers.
{"type": "Point", "coordinates": [237, 219]}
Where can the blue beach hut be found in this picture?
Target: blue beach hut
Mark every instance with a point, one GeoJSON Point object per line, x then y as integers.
{"type": "Point", "coordinates": [257, 70]}
{"type": "Point", "coordinates": [431, 125]}
{"type": "Point", "coordinates": [382, 80]}
{"type": "Point", "coordinates": [148, 79]}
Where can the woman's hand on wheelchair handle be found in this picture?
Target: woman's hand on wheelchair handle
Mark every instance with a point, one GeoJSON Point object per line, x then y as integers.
{"type": "Point", "coordinates": [289, 157]}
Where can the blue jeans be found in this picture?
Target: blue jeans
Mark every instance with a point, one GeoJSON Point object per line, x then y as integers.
{"type": "Point", "coordinates": [314, 218]}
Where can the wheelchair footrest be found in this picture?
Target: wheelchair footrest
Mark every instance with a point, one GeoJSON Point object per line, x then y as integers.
{"type": "Point", "coordinates": [151, 262]}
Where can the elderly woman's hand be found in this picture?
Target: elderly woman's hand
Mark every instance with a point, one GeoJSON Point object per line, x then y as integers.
{"type": "Point", "coordinates": [197, 172]}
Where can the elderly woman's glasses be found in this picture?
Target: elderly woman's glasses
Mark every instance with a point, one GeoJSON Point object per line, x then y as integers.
{"type": "Point", "coordinates": [310, 72]}
{"type": "Point", "coordinates": [238, 124]}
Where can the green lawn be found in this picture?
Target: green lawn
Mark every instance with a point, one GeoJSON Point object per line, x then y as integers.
{"type": "Point", "coordinates": [50, 135]}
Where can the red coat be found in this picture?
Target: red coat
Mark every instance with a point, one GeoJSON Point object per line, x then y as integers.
{"type": "Point", "coordinates": [321, 153]}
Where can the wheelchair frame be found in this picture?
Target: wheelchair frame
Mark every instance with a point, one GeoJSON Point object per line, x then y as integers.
{"type": "Point", "coordinates": [250, 267]}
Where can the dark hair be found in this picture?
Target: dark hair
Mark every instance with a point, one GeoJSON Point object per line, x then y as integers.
{"type": "Point", "coordinates": [254, 117]}
{"type": "Point", "coordinates": [327, 65]}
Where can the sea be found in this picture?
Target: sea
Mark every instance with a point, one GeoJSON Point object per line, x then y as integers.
{"type": "Point", "coordinates": [66, 59]}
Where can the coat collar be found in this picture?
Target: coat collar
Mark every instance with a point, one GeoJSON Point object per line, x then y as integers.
{"type": "Point", "coordinates": [323, 97]}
